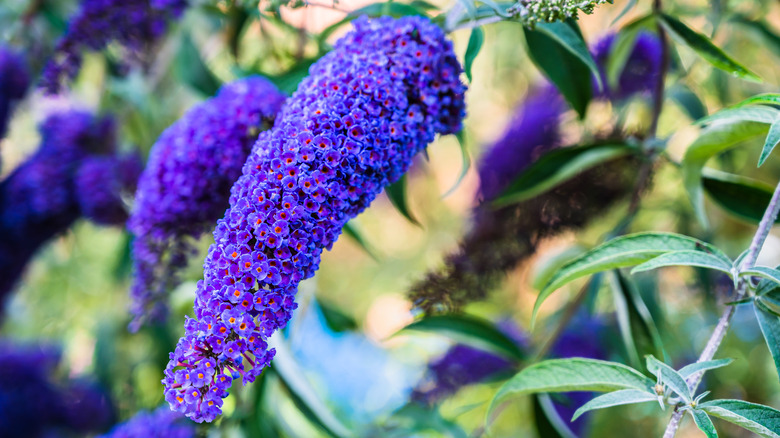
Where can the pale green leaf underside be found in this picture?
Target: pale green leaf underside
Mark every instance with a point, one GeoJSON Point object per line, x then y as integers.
{"type": "Point", "coordinates": [617, 398]}
{"type": "Point", "coordinates": [669, 377]}
{"type": "Point", "coordinates": [686, 258]}
{"type": "Point", "coordinates": [763, 420]}
{"type": "Point", "coordinates": [770, 328]}
{"type": "Point", "coordinates": [771, 274]}
{"type": "Point", "coordinates": [704, 423]}
{"type": "Point", "coordinates": [694, 368]}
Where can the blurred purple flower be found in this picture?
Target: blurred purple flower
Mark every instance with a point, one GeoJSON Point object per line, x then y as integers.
{"type": "Point", "coordinates": [135, 24]}
{"type": "Point", "coordinates": [160, 423]}
{"type": "Point", "coordinates": [100, 183]}
{"type": "Point", "coordinates": [40, 198]}
{"type": "Point", "coordinates": [186, 184]}
{"type": "Point", "coordinates": [640, 72]}
{"type": "Point", "coordinates": [33, 404]}
{"type": "Point", "coordinates": [14, 80]}
{"type": "Point", "coordinates": [533, 130]}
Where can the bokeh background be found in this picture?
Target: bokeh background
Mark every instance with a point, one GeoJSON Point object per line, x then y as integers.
{"type": "Point", "coordinates": [75, 292]}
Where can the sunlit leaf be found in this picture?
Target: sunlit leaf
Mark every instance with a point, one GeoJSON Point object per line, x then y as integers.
{"type": "Point", "coordinates": [557, 167]}
{"type": "Point", "coordinates": [686, 258]}
{"type": "Point", "coordinates": [616, 398]}
{"type": "Point", "coordinates": [621, 252]}
{"type": "Point", "coordinates": [759, 419]}
{"type": "Point", "coordinates": [705, 48]}
{"type": "Point", "coordinates": [572, 374]}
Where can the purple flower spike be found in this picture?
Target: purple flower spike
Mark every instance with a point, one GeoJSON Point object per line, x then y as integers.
{"type": "Point", "coordinates": [135, 24]}
{"type": "Point", "coordinates": [383, 93]}
{"type": "Point", "coordinates": [533, 130]}
{"type": "Point", "coordinates": [186, 184]}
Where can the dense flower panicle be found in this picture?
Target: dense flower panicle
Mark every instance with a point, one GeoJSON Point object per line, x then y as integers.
{"type": "Point", "coordinates": [135, 24]}
{"type": "Point", "coordinates": [41, 197]}
{"type": "Point", "coordinates": [14, 80]}
{"type": "Point", "coordinates": [100, 183]}
{"type": "Point", "coordinates": [533, 130]}
{"type": "Point", "coordinates": [33, 403]}
{"type": "Point", "coordinates": [186, 184]}
{"type": "Point", "coordinates": [641, 71]}
{"type": "Point", "coordinates": [352, 127]}
{"type": "Point", "coordinates": [160, 423]}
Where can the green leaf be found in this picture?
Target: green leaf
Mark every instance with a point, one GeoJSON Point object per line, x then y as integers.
{"type": "Point", "coordinates": [468, 330]}
{"type": "Point", "coordinates": [688, 101]}
{"type": "Point", "coordinates": [396, 192]}
{"type": "Point", "coordinates": [760, 99]}
{"type": "Point", "coordinates": [704, 423]}
{"type": "Point", "coordinates": [705, 48]}
{"type": "Point", "coordinates": [556, 167]}
{"type": "Point", "coordinates": [192, 70]}
{"type": "Point", "coordinates": [350, 229]}
{"type": "Point", "coordinates": [696, 367]}
{"type": "Point", "coordinates": [548, 422]}
{"type": "Point", "coordinates": [571, 76]}
{"type": "Point", "coordinates": [771, 39]}
{"type": "Point", "coordinates": [770, 328]}
{"type": "Point", "coordinates": [669, 377]}
{"type": "Point", "coordinates": [472, 50]}
{"type": "Point", "coordinates": [629, 5]}
{"type": "Point", "coordinates": [711, 141]}
{"type": "Point", "coordinates": [303, 394]}
{"type": "Point", "coordinates": [759, 114]}
{"type": "Point", "coordinates": [465, 158]}
{"type": "Point", "coordinates": [572, 374]}
{"type": "Point", "coordinates": [637, 328]}
{"type": "Point", "coordinates": [763, 420]}
{"type": "Point", "coordinates": [570, 39]}
{"type": "Point", "coordinates": [743, 197]}
{"type": "Point", "coordinates": [617, 398]}
{"type": "Point", "coordinates": [686, 258]}
{"type": "Point", "coordinates": [621, 252]}
{"type": "Point", "coordinates": [335, 319]}
{"type": "Point", "coordinates": [771, 274]}
{"type": "Point", "coordinates": [772, 139]}
{"type": "Point", "coordinates": [288, 81]}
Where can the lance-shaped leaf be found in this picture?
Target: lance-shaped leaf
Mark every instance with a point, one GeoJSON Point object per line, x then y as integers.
{"type": "Point", "coordinates": [621, 252]}
{"type": "Point", "coordinates": [686, 258]}
{"type": "Point", "coordinates": [770, 274]}
{"type": "Point", "coordinates": [688, 101]}
{"type": "Point", "coordinates": [465, 159]}
{"type": "Point", "coordinates": [669, 377]}
{"type": "Point", "coordinates": [193, 71]}
{"type": "Point", "coordinates": [563, 64]}
{"type": "Point", "coordinates": [616, 398]}
{"type": "Point", "coordinates": [743, 197]}
{"type": "Point", "coordinates": [705, 48]}
{"type": "Point", "coordinates": [548, 421]}
{"type": "Point", "coordinates": [622, 47]}
{"type": "Point", "coordinates": [472, 49]}
{"type": "Point", "coordinates": [772, 139]}
{"type": "Point", "coordinates": [558, 166]}
{"type": "Point", "coordinates": [759, 419]}
{"type": "Point", "coordinates": [350, 229]}
{"type": "Point", "coordinates": [396, 192]}
{"type": "Point", "coordinates": [696, 367]}
{"type": "Point", "coordinates": [468, 330]}
{"type": "Point", "coordinates": [713, 140]}
{"type": "Point", "coordinates": [704, 423]}
{"type": "Point", "coordinates": [770, 328]}
{"type": "Point", "coordinates": [760, 99]}
{"type": "Point", "coordinates": [740, 112]}
{"type": "Point", "coordinates": [572, 374]}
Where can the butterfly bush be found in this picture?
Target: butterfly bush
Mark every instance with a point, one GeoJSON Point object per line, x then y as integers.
{"type": "Point", "coordinates": [135, 24]}
{"type": "Point", "coordinates": [44, 196]}
{"type": "Point", "coordinates": [186, 184]}
{"type": "Point", "coordinates": [462, 365]}
{"type": "Point", "coordinates": [502, 237]}
{"type": "Point", "coordinates": [14, 80]}
{"type": "Point", "coordinates": [33, 403]}
{"type": "Point", "coordinates": [160, 423]}
{"type": "Point", "coordinates": [350, 129]}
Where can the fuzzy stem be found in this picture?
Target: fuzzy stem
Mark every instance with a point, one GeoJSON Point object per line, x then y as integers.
{"type": "Point", "coordinates": [770, 215]}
